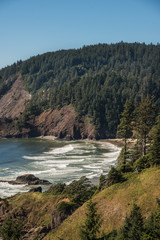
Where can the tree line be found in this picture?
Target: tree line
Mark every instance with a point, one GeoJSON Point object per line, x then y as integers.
{"type": "Point", "coordinates": [96, 80]}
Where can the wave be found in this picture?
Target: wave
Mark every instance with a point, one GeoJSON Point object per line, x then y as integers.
{"type": "Point", "coordinates": [61, 150]}
{"type": "Point", "coordinates": [55, 162]}
{"type": "Point", "coordinates": [4, 170]}
{"type": "Point", "coordinates": [109, 146]}
{"type": "Point", "coordinates": [93, 175]}
{"type": "Point", "coordinates": [38, 172]}
{"type": "Point", "coordinates": [7, 190]}
{"type": "Point", "coordinates": [62, 164]}
{"type": "Point", "coordinates": [91, 167]}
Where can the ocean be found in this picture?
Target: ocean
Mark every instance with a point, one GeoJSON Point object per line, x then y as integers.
{"type": "Point", "coordinates": [55, 161]}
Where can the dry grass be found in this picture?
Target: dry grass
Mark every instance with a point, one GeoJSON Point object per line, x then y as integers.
{"type": "Point", "coordinates": [115, 203]}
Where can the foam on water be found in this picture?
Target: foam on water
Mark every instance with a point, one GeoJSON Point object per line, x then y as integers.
{"type": "Point", "coordinates": [61, 150]}
{"type": "Point", "coordinates": [5, 169]}
{"type": "Point", "coordinates": [7, 189]}
{"type": "Point", "coordinates": [63, 163]}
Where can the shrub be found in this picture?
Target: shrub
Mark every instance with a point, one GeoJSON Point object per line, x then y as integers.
{"type": "Point", "coordinates": [143, 162]}
{"type": "Point", "coordinates": [11, 229]}
{"type": "Point", "coordinates": [57, 189]}
{"type": "Point", "coordinates": [114, 176]}
{"type": "Point", "coordinates": [66, 207]}
{"type": "Point", "coordinates": [125, 168]}
{"type": "Point", "coordinates": [80, 191]}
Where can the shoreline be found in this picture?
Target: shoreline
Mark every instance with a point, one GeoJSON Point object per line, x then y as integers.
{"type": "Point", "coordinates": [47, 137]}
{"type": "Point", "coordinates": [115, 141]}
{"type": "Point", "coordinates": [116, 144]}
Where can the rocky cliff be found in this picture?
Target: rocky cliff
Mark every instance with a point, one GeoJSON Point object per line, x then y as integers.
{"type": "Point", "coordinates": [12, 104]}
{"type": "Point", "coordinates": [63, 124]}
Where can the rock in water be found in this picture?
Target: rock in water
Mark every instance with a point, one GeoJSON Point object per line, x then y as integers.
{"type": "Point", "coordinates": [29, 179]}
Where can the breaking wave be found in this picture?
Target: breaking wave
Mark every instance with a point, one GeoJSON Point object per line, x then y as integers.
{"type": "Point", "coordinates": [64, 162]}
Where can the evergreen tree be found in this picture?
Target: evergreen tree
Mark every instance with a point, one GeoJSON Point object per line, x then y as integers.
{"type": "Point", "coordinates": [152, 225]}
{"type": "Point", "coordinates": [125, 127]}
{"type": "Point", "coordinates": [155, 147]}
{"type": "Point", "coordinates": [133, 226]}
{"type": "Point", "coordinates": [114, 176]}
{"type": "Point", "coordinates": [91, 227]}
{"type": "Point", "coordinates": [102, 182]}
{"type": "Point", "coordinates": [145, 114]}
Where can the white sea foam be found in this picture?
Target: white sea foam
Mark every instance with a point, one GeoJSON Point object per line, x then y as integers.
{"type": "Point", "coordinates": [109, 146]}
{"type": "Point", "coordinates": [93, 175]}
{"type": "Point", "coordinates": [19, 173]}
{"type": "Point", "coordinates": [91, 167]}
{"type": "Point", "coordinates": [7, 189]}
{"type": "Point", "coordinates": [72, 161]}
{"type": "Point", "coordinates": [4, 169]}
{"type": "Point", "coordinates": [39, 158]}
{"type": "Point", "coordinates": [61, 150]}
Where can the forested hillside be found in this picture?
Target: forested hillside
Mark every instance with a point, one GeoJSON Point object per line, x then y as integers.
{"type": "Point", "coordinates": [95, 80]}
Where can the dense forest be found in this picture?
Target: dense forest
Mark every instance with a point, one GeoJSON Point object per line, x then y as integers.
{"type": "Point", "coordinates": [117, 86]}
{"type": "Point", "coordinates": [95, 80]}
{"type": "Point", "coordinates": [122, 188]}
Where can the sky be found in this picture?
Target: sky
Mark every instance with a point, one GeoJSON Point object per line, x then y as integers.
{"type": "Point", "coordinates": [32, 27]}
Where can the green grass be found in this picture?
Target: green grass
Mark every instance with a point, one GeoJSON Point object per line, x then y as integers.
{"type": "Point", "coordinates": [37, 206]}
{"type": "Point", "coordinates": [115, 203]}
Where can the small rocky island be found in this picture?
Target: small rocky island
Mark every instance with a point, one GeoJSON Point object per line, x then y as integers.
{"type": "Point", "coordinates": [29, 179]}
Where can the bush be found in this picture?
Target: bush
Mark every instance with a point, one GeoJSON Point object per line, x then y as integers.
{"type": "Point", "coordinates": [80, 191]}
{"type": "Point", "coordinates": [66, 207]}
{"type": "Point", "coordinates": [56, 189]}
{"type": "Point", "coordinates": [11, 229]}
{"type": "Point", "coordinates": [114, 176]}
{"type": "Point", "coordinates": [142, 163]}
{"type": "Point", "coordinates": [125, 168]}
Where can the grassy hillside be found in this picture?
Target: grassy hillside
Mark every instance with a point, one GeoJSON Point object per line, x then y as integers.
{"type": "Point", "coordinates": [115, 203]}
{"type": "Point", "coordinates": [36, 206]}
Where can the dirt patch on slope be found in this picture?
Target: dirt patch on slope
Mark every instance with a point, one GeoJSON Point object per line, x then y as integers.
{"type": "Point", "coordinates": [13, 102]}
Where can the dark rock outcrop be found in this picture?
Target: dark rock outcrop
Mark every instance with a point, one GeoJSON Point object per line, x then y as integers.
{"type": "Point", "coordinates": [38, 189]}
{"type": "Point", "coordinates": [29, 179]}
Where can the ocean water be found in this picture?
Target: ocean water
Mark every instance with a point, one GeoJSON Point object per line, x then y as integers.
{"type": "Point", "coordinates": [56, 161]}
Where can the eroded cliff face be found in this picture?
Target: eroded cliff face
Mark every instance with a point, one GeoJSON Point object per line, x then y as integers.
{"type": "Point", "coordinates": [63, 124]}
{"type": "Point", "coordinates": [14, 101]}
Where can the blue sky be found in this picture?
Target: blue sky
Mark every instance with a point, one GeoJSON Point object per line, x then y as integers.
{"type": "Point", "coordinates": [32, 27]}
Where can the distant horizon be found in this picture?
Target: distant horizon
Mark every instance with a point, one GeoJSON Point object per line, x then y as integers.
{"type": "Point", "coordinates": [67, 49]}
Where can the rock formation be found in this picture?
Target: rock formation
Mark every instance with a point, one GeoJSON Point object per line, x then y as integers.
{"type": "Point", "coordinates": [29, 179]}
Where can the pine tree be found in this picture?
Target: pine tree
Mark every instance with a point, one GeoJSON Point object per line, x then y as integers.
{"type": "Point", "coordinates": [136, 222]}
{"type": "Point", "coordinates": [155, 147]}
{"type": "Point", "coordinates": [125, 127]}
{"type": "Point", "coordinates": [102, 182]}
{"type": "Point", "coordinates": [114, 176]}
{"type": "Point", "coordinates": [91, 227]}
{"type": "Point", "coordinates": [145, 114]}
{"type": "Point", "coordinates": [152, 225]}
{"type": "Point", "coordinates": [133, 226]}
